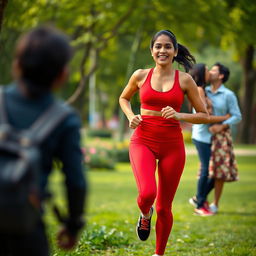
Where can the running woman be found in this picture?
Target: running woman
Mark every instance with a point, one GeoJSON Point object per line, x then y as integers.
{"type": "Point", "coordinates": [157, 141]}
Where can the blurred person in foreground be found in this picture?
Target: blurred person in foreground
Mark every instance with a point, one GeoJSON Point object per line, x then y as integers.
{"type": "Point", "coordinates": [214, 142]}
{"type": "Point", "coordinates": [39, 67]}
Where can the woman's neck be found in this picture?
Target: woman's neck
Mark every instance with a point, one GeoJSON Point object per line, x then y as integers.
{"type": "Point", "coordinates": [163, 70]}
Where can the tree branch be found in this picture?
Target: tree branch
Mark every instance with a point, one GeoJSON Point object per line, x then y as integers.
{"type": "Point", "coordinates": [85, 76]}
{"type": "Point", "coordinates": [84, 79]}
{"type": "Point", "coordinates": [116, 27]}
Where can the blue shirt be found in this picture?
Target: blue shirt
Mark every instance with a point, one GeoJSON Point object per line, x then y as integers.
{"type": "Point", "coordinates": [223, 101]}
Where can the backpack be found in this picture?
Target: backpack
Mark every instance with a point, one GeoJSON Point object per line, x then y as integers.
{"type": "Point", "coordinates": [20, 206]}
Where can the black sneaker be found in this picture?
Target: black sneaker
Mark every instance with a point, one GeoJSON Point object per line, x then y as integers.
{"type": "Point", "coordinates": [144, 226]}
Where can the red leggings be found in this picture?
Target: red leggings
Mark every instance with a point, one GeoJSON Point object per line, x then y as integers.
{"type": "Point", "coordinates": [157, 138]}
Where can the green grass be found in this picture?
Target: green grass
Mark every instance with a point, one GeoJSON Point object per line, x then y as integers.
{"type": "Point", "coordinates": [112, 215]}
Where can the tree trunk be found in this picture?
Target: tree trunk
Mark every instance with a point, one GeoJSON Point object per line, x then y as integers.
{"type": "Point", "coordinates": [247, 103]}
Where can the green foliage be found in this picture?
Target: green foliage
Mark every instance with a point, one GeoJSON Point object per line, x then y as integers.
{"type": "Point", "coordinates": [102, 238]}
{"type": "Point", "coordinates": [99, 157]}
{"type": "Point", "coordinates": [122, 155]}
{"type": "Point", "coordinates": [204, 27]}
{"type": "Point", "coordinates": [104, 154]}
{"type": "Point", "coordinates": [122, 151]}
{"type": "Point", "coordinates": [101, 133]}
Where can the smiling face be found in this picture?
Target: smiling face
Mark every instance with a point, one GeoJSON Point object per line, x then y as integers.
{"type": "Point", "coordinates": [163, 50]}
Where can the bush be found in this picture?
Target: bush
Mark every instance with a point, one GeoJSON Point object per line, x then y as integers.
{"type": "Point", "coordinates": [102, 133]}
{"type": "Point", "coordinates": [103, 154]}
{"type": "Point", "coordinates": [122, 151]}
{"type": "Point", "coordinates": [98, 157]}
{"type": "Point", "coordinates": [122, 155]}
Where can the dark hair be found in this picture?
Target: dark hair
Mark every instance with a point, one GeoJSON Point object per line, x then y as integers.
{"type": "Point", "coordinates": [198, 74]}
{"type": "Point", "coordinates": [223, 70]}
{"type": "Point", "coordinates": [42, 55]}
{"type": "Point", "coordinates": [183, 57]}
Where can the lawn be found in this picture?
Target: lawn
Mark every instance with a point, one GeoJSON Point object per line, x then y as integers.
{"type": "Point", "coordinates": [112, 215]}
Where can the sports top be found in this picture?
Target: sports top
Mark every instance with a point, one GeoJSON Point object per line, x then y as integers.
{"type": "Point", "coordinates": [152, 99]}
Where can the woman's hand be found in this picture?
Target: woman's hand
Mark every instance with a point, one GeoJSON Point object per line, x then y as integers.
{"type": "Point", "coordinates": [169, 112]}
{"type": "Point", "coordinates": [135, 121]}
{"type": "Point", "coordinates": [216, 128]}
{"type": "Point", "coordinates": [227, 116]}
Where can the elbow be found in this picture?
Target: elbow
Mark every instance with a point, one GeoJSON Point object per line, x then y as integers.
{"type": "Point", "coordinates": [121, 99]}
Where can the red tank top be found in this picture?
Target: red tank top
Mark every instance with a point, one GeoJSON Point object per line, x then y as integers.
{"type": "Point", "coordinates": [155, 100]}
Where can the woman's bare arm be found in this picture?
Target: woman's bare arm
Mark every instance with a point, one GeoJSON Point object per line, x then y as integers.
{"type": "Point", "coordinates": [124, 100]}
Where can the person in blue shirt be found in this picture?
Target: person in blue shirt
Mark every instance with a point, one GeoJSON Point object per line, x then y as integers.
{"type": "Point", "coordinates": [39, 67]}
{"type": "Point", "coordinates": [224, 105]}
{"type": "Point", "coordinates": [224, 101]}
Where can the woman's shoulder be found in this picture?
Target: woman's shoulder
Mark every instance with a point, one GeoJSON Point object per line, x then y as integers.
{"type": "Point", "coordinates": [140, 75]}
{"type": "Point", "coordinates": [186, 81]}
{"type": "Point", "coordinates": [184, 77]}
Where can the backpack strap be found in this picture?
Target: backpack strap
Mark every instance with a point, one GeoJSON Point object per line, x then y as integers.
{"type": "Point", "coordinates": [49, 120]}
{"type": "Point", "coordinates": [3, 117]}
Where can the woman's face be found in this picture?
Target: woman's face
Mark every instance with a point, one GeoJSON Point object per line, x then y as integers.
{"type": "Point", "coordinates": [163, 50]}
{"type": "Point", "coordinates": [207, 75]}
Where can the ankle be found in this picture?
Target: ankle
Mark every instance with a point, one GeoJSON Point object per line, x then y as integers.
{"type": "Point", "coordinates": [148, 215]}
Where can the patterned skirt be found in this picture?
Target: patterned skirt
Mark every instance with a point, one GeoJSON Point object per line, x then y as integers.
{"type": "Point", "coordinates": [222, 162]}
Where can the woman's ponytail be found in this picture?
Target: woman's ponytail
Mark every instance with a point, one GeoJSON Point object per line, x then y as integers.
{"type": "Point", "coordinates": [184, 57]}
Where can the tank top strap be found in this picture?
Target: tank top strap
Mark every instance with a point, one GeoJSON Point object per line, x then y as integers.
{"type": "Point", "coordinates": [148, 79]}
{"type": "Point", "coordinates": [176, 76]}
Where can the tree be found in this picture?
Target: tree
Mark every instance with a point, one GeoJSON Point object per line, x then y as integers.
{"type": "Point", "coordinates": [90, 24]}
{"type": "Point", "coordinates": [241, 34]}
{"type": "Point", "coordinates": [97, 40]}
{"type": "Point", "coordinates": [109, 27]}
{"type": "Point", "coordinates": [3, 4]}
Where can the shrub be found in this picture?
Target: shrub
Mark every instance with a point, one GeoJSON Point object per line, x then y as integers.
{"type": "Point", "coordinates": [122, 155]}
{"type": "Point", "coordinates": [122, 151]}
{"type": "Point", "coordinates": [98, 157]}
{"type": "Point", "coordinates": [102, 133]}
